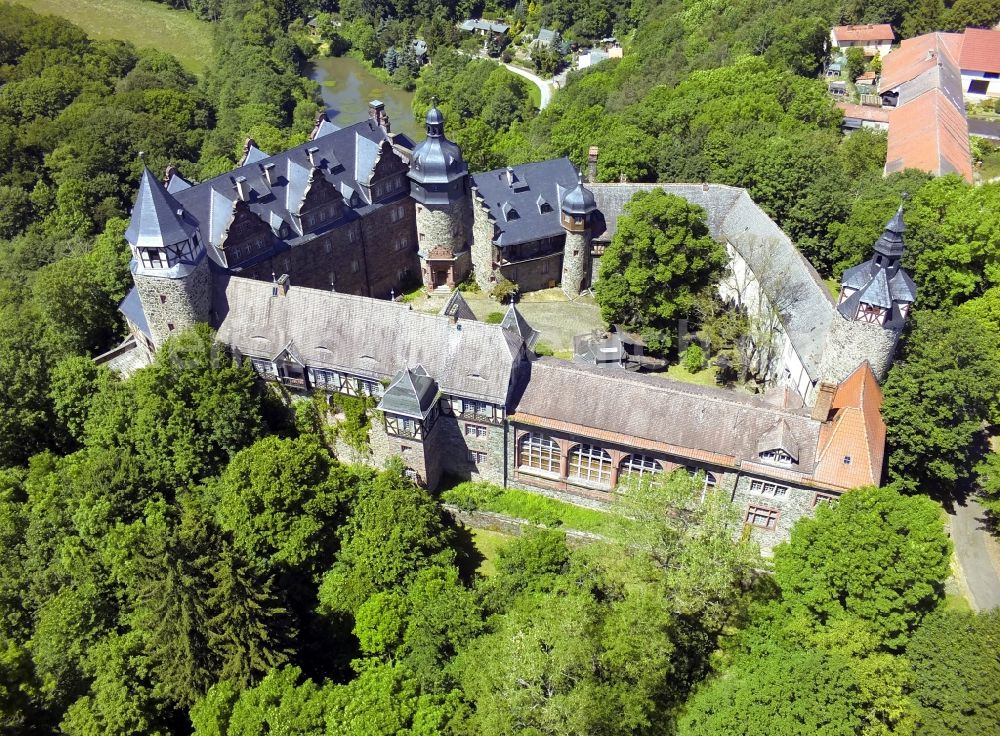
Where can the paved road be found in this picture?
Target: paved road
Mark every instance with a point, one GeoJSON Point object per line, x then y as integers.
{"type": "Point", "coordinates": [543, 86]}
{"type": "Point", "coordinates": [970, 537]}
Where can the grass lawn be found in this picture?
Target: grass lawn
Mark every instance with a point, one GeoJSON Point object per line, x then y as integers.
{"type": "Point", "coordinates": [952, 602]}
{"type": "Point", "coordinates": [991, 165]}
{"type": "Point", "coordinates": [489, 542]}
{"type": "Point", "coordinates": [145, 23]}
{"type": "Point", "coordinates": [704, 377]}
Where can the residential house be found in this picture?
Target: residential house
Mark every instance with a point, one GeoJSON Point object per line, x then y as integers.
{"type": "Point", "coordinates": [872, 39]}
{"type": "Point", "coordinates": [980, 64]}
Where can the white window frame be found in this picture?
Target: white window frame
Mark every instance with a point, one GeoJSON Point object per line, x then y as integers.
{"type": "Point", "coordinates": [767, 488]}
{"type": "Point", "coordinates": [591, 464]}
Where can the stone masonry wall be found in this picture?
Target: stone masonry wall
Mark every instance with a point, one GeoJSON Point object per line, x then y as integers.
{"type": "Point", "coordinates": [849, 344]}
{"type": "Point", "coordinates": [796, 503]}
{"type": "Point", "coordinates": [576, 263]}
{"type": "Point", "coordinates": [444, 226]}
{"type": "Point", "coordinates": [420, 456]}
{"type": "Point", "coordinates": [482, 245]}
{"type": "Point", "coordinates": [454, 447]}
{"type": "Point", "coordinates": [178, 302]}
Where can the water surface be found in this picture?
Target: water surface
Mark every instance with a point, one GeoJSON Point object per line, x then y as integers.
{"type": "Point", "coordinates": [347, 87]}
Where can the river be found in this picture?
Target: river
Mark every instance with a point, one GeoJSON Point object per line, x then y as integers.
{"type": "Point", "coordinates": [347, 86]}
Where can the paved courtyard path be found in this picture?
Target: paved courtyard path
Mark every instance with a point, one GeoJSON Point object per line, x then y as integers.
{"type": "Point", "coordinates": [972, 540]}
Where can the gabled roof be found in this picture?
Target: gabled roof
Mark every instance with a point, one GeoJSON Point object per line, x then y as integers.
{"type": "Point", "coordinates": [411, 394]}
{"type": "Point", "coordinates": [980, 50]}
{"type": "Point", "coordinates": [131, 307]}
{"type": "Point", "coordinates": [867, 32]}
{"type": "Point", "coordinates": [519, 188]}
{"type": "Point", "coordinates": [158, 219]}
{"type": "Point", "coordinates": [365, 337]}
{"type": "Point", "coordinates": [456, 307]}
{"type": "Point", "coordinates": [930, 134]}
{"type": "Point", "coordinates": [703, 423]}
{"type": "Point", "coordinates": [916, 56]}
{"type": "Point", "coordinates": [779, 437]}
{"type": "Point", "coordinates": [852, 443]}
{"type": "Point", "coordinates": [515, 322]}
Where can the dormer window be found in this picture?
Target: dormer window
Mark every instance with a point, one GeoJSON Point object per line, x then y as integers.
{"type": "Point", "coordinates": [778, 457]}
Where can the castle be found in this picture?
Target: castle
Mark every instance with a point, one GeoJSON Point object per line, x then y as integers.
{"type": "Point", "coordinates": [291, 257]}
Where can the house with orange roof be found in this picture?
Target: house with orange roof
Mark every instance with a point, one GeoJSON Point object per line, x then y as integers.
{"type": "Point", "coordinates": [980, 64]}
{"type": "Point", "coordinates": [874, 39]}
{"type": "Point", "coordinates": [922, 87]}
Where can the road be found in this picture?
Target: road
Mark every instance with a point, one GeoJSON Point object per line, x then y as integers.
{"type": "Point", "coordinates": [543, 86]}
{"type": "Point", "coordinates": [970, 537]}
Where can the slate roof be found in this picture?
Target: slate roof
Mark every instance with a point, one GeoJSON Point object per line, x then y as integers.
{"type": "Point", "coordinates": [344, 156]}
{"type": "Point", "coordinates": [699, 422]}
{"type": "Point", "coordinates": [456, 307]}
{"type": "Point", "coordinates": [734, 217]}
{"type": "Point", "coordinates": [475, 24]}
{"type": "Point", "coordinates": [856, 431]}
{"type": "Point", "coordinates": [779, 437]}
{"type": "Point", "coordinates": [131, 307]}
{"type": "Point", "coordinates": [515, 322]}
{"type": "Point", "coordinates": [365, 337]}
{"type": "Point", "coordinates": [411, 394]}
{"type": "Point", "coordinates": [546, 37]}
{"type": "Point", "coordinates": [158, 218]}
{"type": "Point", "coordinates": [867, 32]}
{"type": "Point", "coordinates": [518, 189]}
{"type": "Point", "coordinates": [980, 50]}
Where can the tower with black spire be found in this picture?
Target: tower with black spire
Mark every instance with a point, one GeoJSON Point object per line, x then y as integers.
{"type": "Point", "coordinates": [169, 261]}
{"type": "Point", "coordinates": [576, 212]}
{"type": "Point", "coordinates": [440, 186]}
{"type": "Point", "coordinates": [874, 303]}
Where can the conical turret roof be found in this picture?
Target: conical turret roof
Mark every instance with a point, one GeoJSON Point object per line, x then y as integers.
{"type": "Point", "coordinates": [514, 321]}
{"type": "Point", "coordinates": [157, 218]}
{"type": "Point", "coordinates": [891, 241]}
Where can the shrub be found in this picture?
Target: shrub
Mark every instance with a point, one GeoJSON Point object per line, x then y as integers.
{"type": "Point", "coordinates": [469, 496]}
{"type": "Point", "coordinates": [543, 348]}
{"type": "Point", "coordinates": [694, 358]}
{"type": "Point", "coordinates": [503, 290]}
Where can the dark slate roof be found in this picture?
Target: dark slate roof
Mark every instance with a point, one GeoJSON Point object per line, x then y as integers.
{"type": "Point", "coordinates": [515, 322]}
{"type": "Point", "coordinates": [365, 337]}
{"type": "Point", "coordinates": [705, 423]}
{"type": "Point", "coordinates": [436, 160]}
{"type": "Point", "coordinates": [518, 188]}
{"type": "Point", "coordinates": [457, 307]}
{"type": "Point", "coordinates": [579, 200]}
{"type": "Point", "coordinates": [599, 348]}
{"type": "Point", "coordinates": [890, 243]}
{"type": "Point", "coordinates": [131, 307]}
{"type": "Point", "coordinates": [875, 286]}
{"type": "Point", "coordinates": [411, 394]}
{"type": "Point", "coordinates": [158, 219]}
{"type": "Point", "coordinates": [344, 155]}
{"type": "Point", "coordinates": [779, 437]}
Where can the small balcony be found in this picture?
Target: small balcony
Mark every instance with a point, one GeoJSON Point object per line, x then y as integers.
{"type": "Point", "coordinates": [293, 381]}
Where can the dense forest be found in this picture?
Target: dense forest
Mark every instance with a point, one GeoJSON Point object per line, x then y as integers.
{"type": "Point", "coordinates": [181, 553]}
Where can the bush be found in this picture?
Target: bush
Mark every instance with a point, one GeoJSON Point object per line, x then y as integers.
{"type": "Point", "coordinates": [543, 348]}
{"type": "Point", "coordinates": [470, 496]}
{"type": "Point", "coordinates": [494, 318]}
{"type": "Point", "coordinates": [694, 358]}
{"type": "Point", "coordinates": [503, 290]}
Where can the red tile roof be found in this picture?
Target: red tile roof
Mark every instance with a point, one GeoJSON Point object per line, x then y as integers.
{"type": "Point", "coordinates": [980, 50]}
{"type": "Point", "coordinates": [929, 133]}
{"type": "Point", "coordinates": [869, 32]}
{"type": "Point", "coordinates": [856, 431]}
{"type": "Point", "coordinates": [916, 56]}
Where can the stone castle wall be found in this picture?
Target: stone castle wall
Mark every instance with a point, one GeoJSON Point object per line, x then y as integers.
{"type": "Point", "coordinates": [482, 246]}
{"type": "Point", "coordinates": [796, 503]}
{"type": "Point", "coordinates": [445, 226]}
{"type": "Point", "coordinates": [576, 263]}
{"type": "Point", "coordinates": [179, 302]}
{"type": "Point", "coordinates": [849, 344]}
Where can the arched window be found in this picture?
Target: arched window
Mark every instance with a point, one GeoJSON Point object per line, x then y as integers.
{"type": "Point", "coordinates": [710, 480]}
{"type": "Point", "coordinates": [638, 466]}
{"type": "Point", "coordinates": [539, 452]}
{"type": "Point", "coordinates": [591, 464]}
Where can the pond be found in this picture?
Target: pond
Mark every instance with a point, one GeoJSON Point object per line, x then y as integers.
{"type": "Point", "coordinates": [347, 87]}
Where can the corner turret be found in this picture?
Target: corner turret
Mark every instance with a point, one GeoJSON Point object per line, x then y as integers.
{"type": "Point", "coordinates": [169, 261]}
{"type": "Point", "coordinates": [576, 215]}
{"type": "Point", "coordinates": [874, 303]}
{"type": "Point", "coordinates": [439, 184]}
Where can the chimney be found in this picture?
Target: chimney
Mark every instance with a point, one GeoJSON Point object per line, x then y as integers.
{"type": "Point", "coordinates": [282, 284]}
{"type": "Point", "coordinates": [378, 115]}
{"type": "Point", "coordinates": [269, 174]}
{"type": "Point", "coordinates": [241, 188]}
{"type": "Point", "coordinates": [311, 153]}
{"type": "Point", "coordinates": [824, 401]}
{"type": "Point", "coordinates": [592, 154]}
{"type": "Point", "coordinates": [510, 176]}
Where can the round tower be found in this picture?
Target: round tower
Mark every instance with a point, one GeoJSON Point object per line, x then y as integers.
{"type": "Point", "coordinates": [440, 187]}
{"type": "Point", "coordinates": [576, 215]}
{"type": "Point", "coordinates": [169, 262]}
{"type": "Point", "coordinates": [874, 304]}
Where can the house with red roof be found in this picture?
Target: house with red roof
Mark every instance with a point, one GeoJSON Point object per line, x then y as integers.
{"type": "Point", "coordinates": [980, 64]}
{"type": "Point", "coordinates": [874, 39]}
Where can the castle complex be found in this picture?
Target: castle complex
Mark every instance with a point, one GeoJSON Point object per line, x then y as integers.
{"type": "Point", "coordinates": [292, 258]}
